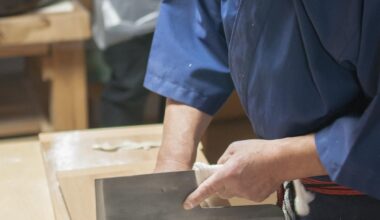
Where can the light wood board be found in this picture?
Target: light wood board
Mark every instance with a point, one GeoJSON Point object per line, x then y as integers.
{"type": "Point", "coordinates": [65, 68]}
{"type": "Point", "coordinates": [23, 185]}
{"type": "Point", "coordinates": [79, 190]}
{"type": "Point", "coordinates": [77, 185]}
{"type": "Point", "coordinates": [40, 28]}
{"type": "Point", "coordinates": [24, 51]}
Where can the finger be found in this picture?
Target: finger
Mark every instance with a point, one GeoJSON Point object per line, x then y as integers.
{"type": "Point", "coordinates": [224, 194]}
{"type": "Point", "coordinates": [209, 187]}
{"type": "Point", "coordinates": [225, 157]}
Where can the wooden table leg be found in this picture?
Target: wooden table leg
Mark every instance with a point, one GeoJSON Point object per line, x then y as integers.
{"type": "Point", "coordinates": [65, 68]}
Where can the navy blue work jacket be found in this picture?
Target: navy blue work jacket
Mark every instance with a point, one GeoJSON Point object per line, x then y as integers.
{"type": "Point", "coordinates": [299, 67]}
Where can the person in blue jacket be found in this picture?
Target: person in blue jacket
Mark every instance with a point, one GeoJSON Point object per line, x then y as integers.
{"type": "Point", "coordinates": [308, 75]}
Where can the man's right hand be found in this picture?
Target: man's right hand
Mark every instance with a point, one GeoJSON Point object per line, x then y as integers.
{"type": "Point", "coordinates": [183, 128]}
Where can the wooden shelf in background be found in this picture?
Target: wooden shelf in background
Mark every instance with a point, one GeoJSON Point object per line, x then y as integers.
{"type": "Point", "coordinates": [54, 41]}
{"type": "Point", "coordinates": [20, 113]}
{"type": "Point", "coordinates": [42, 28]}
{"type": "Point", "coordinates": [25, 51]}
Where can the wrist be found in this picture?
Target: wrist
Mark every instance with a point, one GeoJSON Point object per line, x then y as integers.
{"type": "Point", "coordinates": [299, 158]}
{"type": "Point", "coordinates": [178, 151]}
{"type": "Point", "coordinates": [171, 165]}
{"type": "Point", "coordinates": [175, 158]}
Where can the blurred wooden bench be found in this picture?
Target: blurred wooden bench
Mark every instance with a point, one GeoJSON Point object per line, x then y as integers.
{"type": "Point", "coordinates": [55, 42]}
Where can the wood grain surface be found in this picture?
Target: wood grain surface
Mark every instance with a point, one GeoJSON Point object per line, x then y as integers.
{"type": "Point", "coordinates": [23, 185]}
{"type": "Point", "coordinates": [75, 165]}
{"type": "Point", "coordinates": [41, 28]}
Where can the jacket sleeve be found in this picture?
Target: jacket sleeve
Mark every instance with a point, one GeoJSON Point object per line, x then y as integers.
{"type": "Point", "coordinates": [189, 58]}
{"type": "Point", "coordinates": [350, 147]}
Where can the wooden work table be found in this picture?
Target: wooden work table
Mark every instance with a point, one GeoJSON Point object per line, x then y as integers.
{"type": "Point", "coordinates": [54, 41]}
{"type": "Point", "coordinates": [23, 185]}
{"type": "Point", "coordinates": [30, 174]}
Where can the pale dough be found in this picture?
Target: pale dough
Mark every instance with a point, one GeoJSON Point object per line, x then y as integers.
{"type": "Point", "coordinates": [126, 145]}
{"type": "Point", "coordinates": [202, 172]}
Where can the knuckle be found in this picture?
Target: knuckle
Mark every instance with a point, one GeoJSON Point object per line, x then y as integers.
{"type": "Point", "coordinates": [235, 170]}
{"type": "Point", "coordinates": [233, 146]}
{"type": "Point", "coordinates": [231, 174]}
{"type": "Point", "coordinates": [208, 189]}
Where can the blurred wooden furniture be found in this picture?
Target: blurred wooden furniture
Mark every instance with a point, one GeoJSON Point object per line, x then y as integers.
{"type": "Point", "coordinates": [19, 114]}
{"type": "Point", "coordinates": [87, 3]}
{"type": "Point", "coordinates": [55, 41]}
{"type": "Point", "coordinates": [23, 185]}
